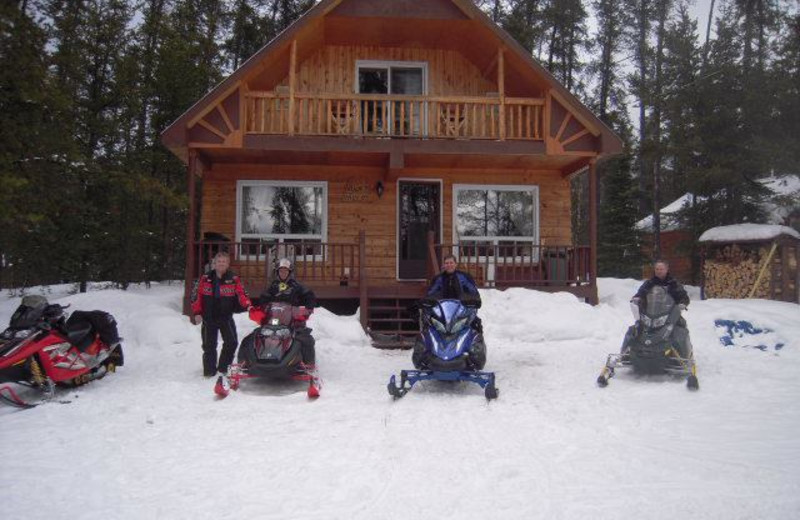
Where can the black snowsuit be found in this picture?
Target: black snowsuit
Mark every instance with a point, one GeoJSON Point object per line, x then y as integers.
{"type": "Point", "coordinates": [216, 299]}
{"type": "Point", "coordinates": [293, 292]}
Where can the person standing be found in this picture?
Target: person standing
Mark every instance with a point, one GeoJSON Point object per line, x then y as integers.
{"type": "Point", "coordinates": [216, 296]}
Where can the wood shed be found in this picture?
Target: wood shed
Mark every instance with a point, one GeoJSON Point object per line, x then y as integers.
{"type": "Point", "coordinates": [751, 261]}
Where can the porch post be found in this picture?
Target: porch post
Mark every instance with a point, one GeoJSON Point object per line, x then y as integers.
{"type": "Point", "coordinates": [501, 92]}
{"type": "Point", "coordinates": [191, 172]}
{"type": "Point", "coordinates": [362, 279]}
{"type": "Point", "coordinates": [593, 298]}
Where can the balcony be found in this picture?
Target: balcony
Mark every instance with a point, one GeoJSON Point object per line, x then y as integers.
{"type": "Point", "coordinates": [392, 116]}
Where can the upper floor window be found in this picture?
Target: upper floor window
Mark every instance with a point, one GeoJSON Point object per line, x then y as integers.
{"type": "Point", "coordinates": [408, 117]}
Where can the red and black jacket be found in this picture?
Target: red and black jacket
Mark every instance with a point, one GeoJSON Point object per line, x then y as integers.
{"type": "Point", "coordinates": [219, 297]}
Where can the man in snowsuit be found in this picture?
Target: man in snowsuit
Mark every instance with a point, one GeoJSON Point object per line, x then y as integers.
{"type": "Point", "coordinates": [216, 296]}
{"type": "Point", "coordinates": [286, 289]}
{"type": "Point", "coordinates": [452, 284]}
{"type": "Point", "coordinates": [662, 278]}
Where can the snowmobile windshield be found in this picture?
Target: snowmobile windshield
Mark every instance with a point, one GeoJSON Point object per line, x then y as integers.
{"type": "Point", "coordinates": [29, 312]}
{"type": "Point", "coordinates": [452, 315]}
{"type": "Point", "coordinates": [279, 314]}
{"type": "Point", "coordinates": [659, 302]}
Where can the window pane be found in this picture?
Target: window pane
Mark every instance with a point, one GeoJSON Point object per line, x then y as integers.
{"type": "Point", "coordinates": [502, 213]}
{"type": "Point", "coordinates": [373, 81]}
{"type": "Point", "coordinates": [407, 81]}
{"type": "Point", "coordinates": [282, 210]}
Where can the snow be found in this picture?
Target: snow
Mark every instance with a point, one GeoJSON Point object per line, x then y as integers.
{"type": "Point", "coordinates": [743, 232]}
{"type": "Point", "coordinates": [151, 441]}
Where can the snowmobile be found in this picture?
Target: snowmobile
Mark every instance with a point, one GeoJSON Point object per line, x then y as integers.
{"type": "Point", "coordinates": [272, 350]}
{"type": "Point", "coordinates": [41, 349]}
{"type": "Point", "coordinates": [655, 344]}
{"type": "Point", "coordinates": [447, 349]}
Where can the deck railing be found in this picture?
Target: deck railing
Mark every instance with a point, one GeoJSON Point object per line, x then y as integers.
{"type": "Point", "coordinates": [319, 263]}
{"type": "Point", "coordinates": [371, 115]}
{"type": "Point", "coordinates": [517, 264]}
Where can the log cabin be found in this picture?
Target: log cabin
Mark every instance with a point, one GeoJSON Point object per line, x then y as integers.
{"type": "Point", "coordinates": [373, 137]}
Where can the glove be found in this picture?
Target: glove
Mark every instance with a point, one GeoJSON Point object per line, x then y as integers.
{"type": "Point", "coordinates": [427, 302]}
{"type": "Point", "coordinates": [197, 319]}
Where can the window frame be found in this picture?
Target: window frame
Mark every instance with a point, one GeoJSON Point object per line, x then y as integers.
{"type": "Point", "coordinates": [280, 238]}
{"type": "Point", "coordinates": [496, 239]}
{"type": "Point", "coordinates": [388, 64]}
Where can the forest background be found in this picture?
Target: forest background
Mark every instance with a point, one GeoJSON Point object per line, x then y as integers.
{"type": "Point", "coordinates": [87, 192]}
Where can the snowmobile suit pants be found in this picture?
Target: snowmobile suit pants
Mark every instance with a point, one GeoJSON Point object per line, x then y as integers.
{"type": "Point", "coordinates": [210, 331]}
{"type": "Point", "coordinates": [307, 342]}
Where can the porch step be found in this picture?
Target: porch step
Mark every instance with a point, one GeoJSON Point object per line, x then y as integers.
{"type": "Point", "coordinates": [392, 322]}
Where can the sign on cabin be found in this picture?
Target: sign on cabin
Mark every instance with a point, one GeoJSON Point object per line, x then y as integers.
{"type": "Point", "coordinates": [356, 191]}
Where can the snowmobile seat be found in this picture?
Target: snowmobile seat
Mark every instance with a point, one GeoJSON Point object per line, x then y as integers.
{"type": "Point", "coordinates": [80, 333]}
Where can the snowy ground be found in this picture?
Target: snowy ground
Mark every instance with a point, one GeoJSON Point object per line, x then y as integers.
{"type": "Point", "coordinates": [152, 442]}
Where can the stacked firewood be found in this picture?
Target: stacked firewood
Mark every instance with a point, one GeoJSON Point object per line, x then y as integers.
{"type": "Point", "coordinates": [732, 271]}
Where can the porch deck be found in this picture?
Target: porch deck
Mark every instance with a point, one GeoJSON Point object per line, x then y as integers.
{"type": "Point", "coordinates": [338, 272]}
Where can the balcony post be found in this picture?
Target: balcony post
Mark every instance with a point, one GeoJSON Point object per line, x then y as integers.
{"type": "Point", "coordinates": [501, 91]}
{"type": "Point", "coordinates": [189, 273]}
{"type": "Point", "coordinates": [292, 81]}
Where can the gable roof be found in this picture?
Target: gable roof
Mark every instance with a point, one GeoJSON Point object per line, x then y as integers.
{"type": "Point", "coordinates": [174, 136]}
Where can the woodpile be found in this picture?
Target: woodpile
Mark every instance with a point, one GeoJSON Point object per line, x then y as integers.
{"type": "Point", "coordinates": [732, 271]}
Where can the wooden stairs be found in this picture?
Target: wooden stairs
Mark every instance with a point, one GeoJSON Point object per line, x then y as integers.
{"type": "Point", "coordinates": [393, 322]}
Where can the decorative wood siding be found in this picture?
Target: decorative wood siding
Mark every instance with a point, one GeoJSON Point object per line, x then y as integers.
{"type": "Point", "coordinates": [377, 216]}
{"type": "Point", "coordinates": [331, 70]}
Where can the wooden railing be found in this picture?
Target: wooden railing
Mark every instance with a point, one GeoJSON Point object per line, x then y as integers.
{"type": "Point", "coordinates": [372, 115]}
{"type": "Point", "coordinates": [517, 264]}
{"type": "Point", "coordinates": [319, 263]}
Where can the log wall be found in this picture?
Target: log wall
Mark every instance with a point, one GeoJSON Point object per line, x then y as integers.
{"type": "Point", "coordinates": [331, 70]}
{"type": "Point", "coordinates": [377, 216]}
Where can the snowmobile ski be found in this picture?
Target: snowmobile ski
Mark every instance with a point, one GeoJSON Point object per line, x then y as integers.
{"type": "Point", "coordinates": [408, 378]}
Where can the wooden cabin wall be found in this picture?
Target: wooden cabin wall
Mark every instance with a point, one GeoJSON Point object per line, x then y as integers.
{"type": "Point", "coordinates": [331, 70]}
{"type": "Point", "coordinates": [378, 216]}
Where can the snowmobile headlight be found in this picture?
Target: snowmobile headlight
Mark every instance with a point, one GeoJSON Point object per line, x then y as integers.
{"type": "Point", "coordinates": [266, 331]}
{"type": "Point", "coordinates": [275, 321]}
{"type": "Point", "coordinates": [458, 325]}
{"type": "Point", "coordinates": [659, 322]}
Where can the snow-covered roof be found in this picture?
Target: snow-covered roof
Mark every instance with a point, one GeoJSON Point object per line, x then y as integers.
{"type": "Point", "coordinates": [669, 220]}
{"type": "Point", "coordinates": [746, 232]}
{"type": "Point", "coordinates": [785, 199]}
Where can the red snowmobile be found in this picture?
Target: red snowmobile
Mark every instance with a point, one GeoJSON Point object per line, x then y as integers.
{"type": "Point", "coordinates": [272, 350]}
{"type": "Point", "coordinates": [41, 349]}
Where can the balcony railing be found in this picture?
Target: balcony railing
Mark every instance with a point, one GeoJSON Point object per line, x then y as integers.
{"type": "Point", "coordinates": [371, 115]}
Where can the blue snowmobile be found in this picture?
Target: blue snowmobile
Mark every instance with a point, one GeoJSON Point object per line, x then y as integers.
{"type": "Point", "coordinates": [449, 348]}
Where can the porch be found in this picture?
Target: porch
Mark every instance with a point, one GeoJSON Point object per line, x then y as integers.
{"type": "Point", "coordinates": [337, 273]}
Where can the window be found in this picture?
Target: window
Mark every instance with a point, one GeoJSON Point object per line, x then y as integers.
{"type": "Point", "coordinates": [398, 78]}
{"type": "Point", "coordinates": [502, 221]}
{"type": "Point", "coordinates": [281, 211]}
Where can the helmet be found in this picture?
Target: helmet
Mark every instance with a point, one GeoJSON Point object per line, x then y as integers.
{"type": "Point", "coordinates": [285, 262]}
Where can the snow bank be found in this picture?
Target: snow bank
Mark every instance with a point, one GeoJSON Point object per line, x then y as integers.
{"type": "Point", "coordinates": [743, 232]}
{"type": "Point", "coordinates": [151, 441]}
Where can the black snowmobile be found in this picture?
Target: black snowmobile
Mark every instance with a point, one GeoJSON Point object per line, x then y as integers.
{"type": "Point", "coordinates": [657, 343]}
{"type": "Point", "coordinates": [271, 350]}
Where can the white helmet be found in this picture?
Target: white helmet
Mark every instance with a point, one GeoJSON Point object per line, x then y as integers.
{"type": "Point", "coordinates": [285, 262]}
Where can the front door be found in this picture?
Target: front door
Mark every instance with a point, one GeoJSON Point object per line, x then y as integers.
{"type": "Point", "coordinates": [418, 213]}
